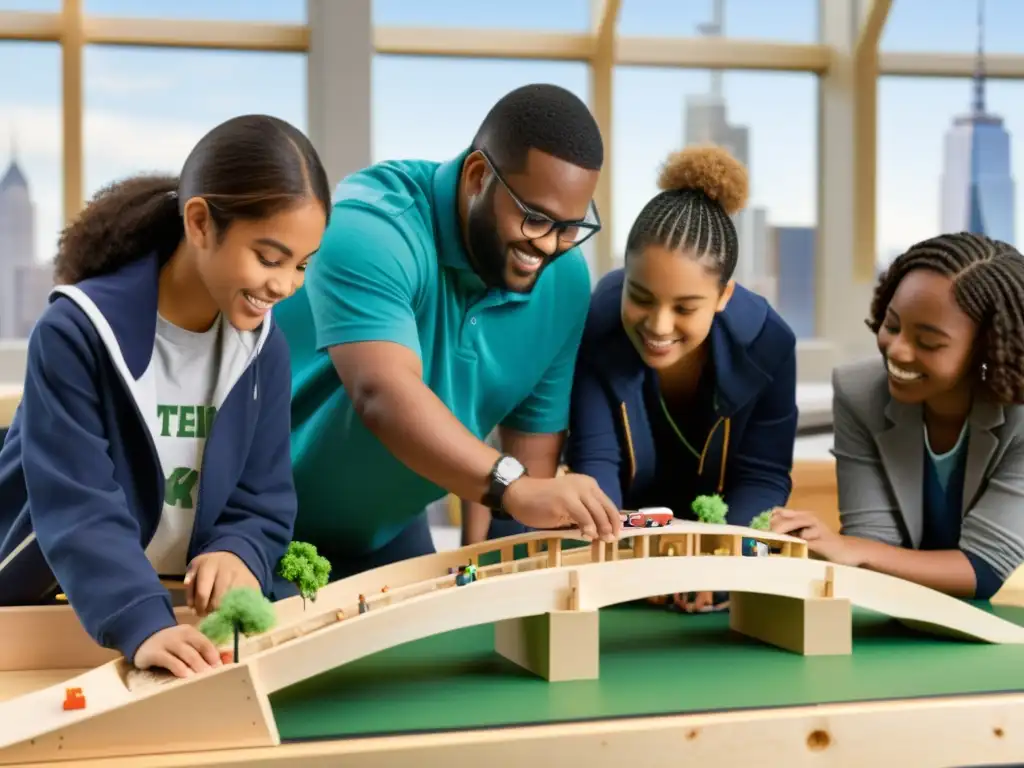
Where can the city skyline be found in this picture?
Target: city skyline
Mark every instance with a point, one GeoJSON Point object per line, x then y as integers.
{"type": "Point", "coordinates": [145, 108]}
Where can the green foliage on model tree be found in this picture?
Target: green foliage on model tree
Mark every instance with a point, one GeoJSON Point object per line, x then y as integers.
{"type": "Point", "coordinates": [303, 567]}
{"type": "Point", "coordinates": [242, 611]}
{"type": "Point", "coordinates": [763, 522]}
{"type": "Point", "coordinates": [710, 509]}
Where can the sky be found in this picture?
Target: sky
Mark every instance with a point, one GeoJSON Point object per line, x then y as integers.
{"type": "Point", "coordinates": [145, 108]}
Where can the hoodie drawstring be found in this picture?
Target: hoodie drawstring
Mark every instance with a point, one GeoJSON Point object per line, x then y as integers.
{"type": "Point", "coordinates": [707, 442]}
{"type": "Point", "coordinates": [629, 443]}
{"type": "Point", "coordinates": [725, 450]}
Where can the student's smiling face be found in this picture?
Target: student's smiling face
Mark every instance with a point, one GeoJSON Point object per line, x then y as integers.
{"type": "Point", "coordinates": [669, 300]}
{"type": "Point", "coordinates": [256, 263]}
{"type": "Point", "coordinates": [927, 340]}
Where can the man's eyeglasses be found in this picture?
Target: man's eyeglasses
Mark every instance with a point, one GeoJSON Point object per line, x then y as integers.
{"type": "Point", "coordinates": [536, 225]}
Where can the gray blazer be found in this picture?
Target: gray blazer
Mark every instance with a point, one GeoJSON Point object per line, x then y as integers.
{"type": "Point", "coordinates": [879, 450]}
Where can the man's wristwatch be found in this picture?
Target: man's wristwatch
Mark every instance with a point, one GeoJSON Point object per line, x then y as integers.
{"type": "Point", "coordinates": [506, 470]}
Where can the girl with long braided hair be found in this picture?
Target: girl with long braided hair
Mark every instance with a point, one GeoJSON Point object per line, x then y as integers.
{"type": "Point", "coordinates": [929, 440]}
{"type": "Point", "coordinates": [685, 382]}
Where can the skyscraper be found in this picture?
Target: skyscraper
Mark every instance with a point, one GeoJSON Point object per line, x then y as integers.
{"type": "Point", "coordinates": [24, 283]}
{"type": "Point", "coordinates": [17, 215]}
{"type": "Point", "coordinates": [707, 122]}
{"type": "Point", "coordinates": [977, 185]}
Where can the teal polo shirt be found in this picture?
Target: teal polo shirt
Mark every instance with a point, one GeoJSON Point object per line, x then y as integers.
{"type": "Point", "coordinates": [392, 267]}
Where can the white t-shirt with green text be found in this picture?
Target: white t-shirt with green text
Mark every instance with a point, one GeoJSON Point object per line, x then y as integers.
{"type": "Point", "coordinates": [192, 372]}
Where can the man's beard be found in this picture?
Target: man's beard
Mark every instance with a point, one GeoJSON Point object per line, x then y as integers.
{"type": "Point", "coordinates": [485, 247]}
{"type": "Point", "coordinates": [490, 256]}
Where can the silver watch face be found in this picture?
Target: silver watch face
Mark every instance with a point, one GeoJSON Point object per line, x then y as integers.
{"type": "Point", "coordinates": [508, 469]}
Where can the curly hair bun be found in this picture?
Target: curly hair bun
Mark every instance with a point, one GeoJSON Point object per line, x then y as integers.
{"type": "Point", "coordinates": [710, 169]}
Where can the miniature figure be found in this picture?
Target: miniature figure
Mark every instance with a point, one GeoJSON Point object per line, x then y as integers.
{"type": "Point", "coordinates": [466, 575]}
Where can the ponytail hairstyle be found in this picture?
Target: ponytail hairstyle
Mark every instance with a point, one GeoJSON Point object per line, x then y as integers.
{"type": "Point", "coordinates": [988, 285]}
{"type": "Point", "coordinates": [250, 167]}
{"type": "Point", "coordinates": [702, 188]}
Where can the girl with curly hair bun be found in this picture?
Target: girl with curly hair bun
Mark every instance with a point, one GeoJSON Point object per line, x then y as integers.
{"type": "Point", "coordinates": [685, 382]}
{"type": "Point", "coordinates": [152, 439]}
{"type": "Point", "coordinates": [929, 440]}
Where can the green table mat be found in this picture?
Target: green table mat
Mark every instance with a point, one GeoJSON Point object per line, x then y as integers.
{"type": "Point", "coordinates": [653, 662]}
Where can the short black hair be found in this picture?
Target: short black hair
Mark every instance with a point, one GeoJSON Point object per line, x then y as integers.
{"type": "Point", "coordinates": [988, 284]}
{"type": "Point", "coordinates": [544, 117]}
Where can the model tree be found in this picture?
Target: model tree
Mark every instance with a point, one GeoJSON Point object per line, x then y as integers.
{"type": "Point", "coordinates": [763, 521]}
{"type": "Point", "coordinates": [710, 509]}
{"type": "Point", "coordinates": [307, 570]}
{"type": "Point", "coordinates": [242, 611]}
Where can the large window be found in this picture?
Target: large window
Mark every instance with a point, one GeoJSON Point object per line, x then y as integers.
{"type": "Point", "coordinates": [280, 11]}
{"type": "Point", "coordinates": [658, 111]}
{"type": "Point", "coordinates": [146, 108]}
{"type": "Point", "coordinates": [31, 180]}
{"type": "Point", "coordinates": [926, 164]}
{"type": "Point", "coordinates": [791, 21]}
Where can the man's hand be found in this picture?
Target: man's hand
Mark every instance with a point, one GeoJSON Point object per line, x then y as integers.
{"type": "Point", "coordinates": [559, 502]}
{"type": "Point", "coordinates": [821, 540]}
{"type": "Point", "coordinates": [211, 575]}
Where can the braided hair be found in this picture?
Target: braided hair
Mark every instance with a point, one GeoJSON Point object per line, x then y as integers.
{"type": "Point", "coordinates": [988, 285]}
{"type": "Point", "coordinates": [702, 188]}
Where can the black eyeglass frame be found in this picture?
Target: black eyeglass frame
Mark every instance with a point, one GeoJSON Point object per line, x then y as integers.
{"type": "Point", "coordinates": [590, 227]}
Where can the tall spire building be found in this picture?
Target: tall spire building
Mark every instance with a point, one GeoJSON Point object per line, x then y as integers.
{"type": "Point", "coordinates": [706, 121]}
{"type": "Point", "coordinates": [977, 184]}
{"type": "Point", "coordinates": [24, 282]}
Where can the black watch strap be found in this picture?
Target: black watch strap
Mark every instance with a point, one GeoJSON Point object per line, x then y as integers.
{"type": "Point", "coordinates": [505, 471]}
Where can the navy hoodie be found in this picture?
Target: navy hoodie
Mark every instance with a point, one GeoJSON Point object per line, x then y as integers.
{"type": "Point", "coordinates": [81, 487]}
{"type": "Point", "coordinates": [748, 453]}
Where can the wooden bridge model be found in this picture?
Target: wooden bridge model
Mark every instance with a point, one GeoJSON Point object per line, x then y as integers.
{"type": "Point", "coordinates": [544, 608]}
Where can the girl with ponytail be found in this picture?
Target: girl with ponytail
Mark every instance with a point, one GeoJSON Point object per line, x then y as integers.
{"type": "Point", "coordinates": [152, 440]}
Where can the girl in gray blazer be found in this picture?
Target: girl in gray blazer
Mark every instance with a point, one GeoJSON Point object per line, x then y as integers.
{"type": "Point", "coordinates": [929, 439]}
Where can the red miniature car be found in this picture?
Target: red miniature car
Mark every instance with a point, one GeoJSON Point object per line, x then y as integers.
{"type": "Point", "coordinates": [649, 518]}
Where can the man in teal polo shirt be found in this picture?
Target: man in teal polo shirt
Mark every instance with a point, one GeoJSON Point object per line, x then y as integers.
{"type": "Point", "coordinates": [447, 299]}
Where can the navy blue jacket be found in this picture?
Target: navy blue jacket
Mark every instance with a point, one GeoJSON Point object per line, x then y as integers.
{"type": "Point", "coordinates": [749, 453]}
{"type": "Point", "coordinates": [81, 487]}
